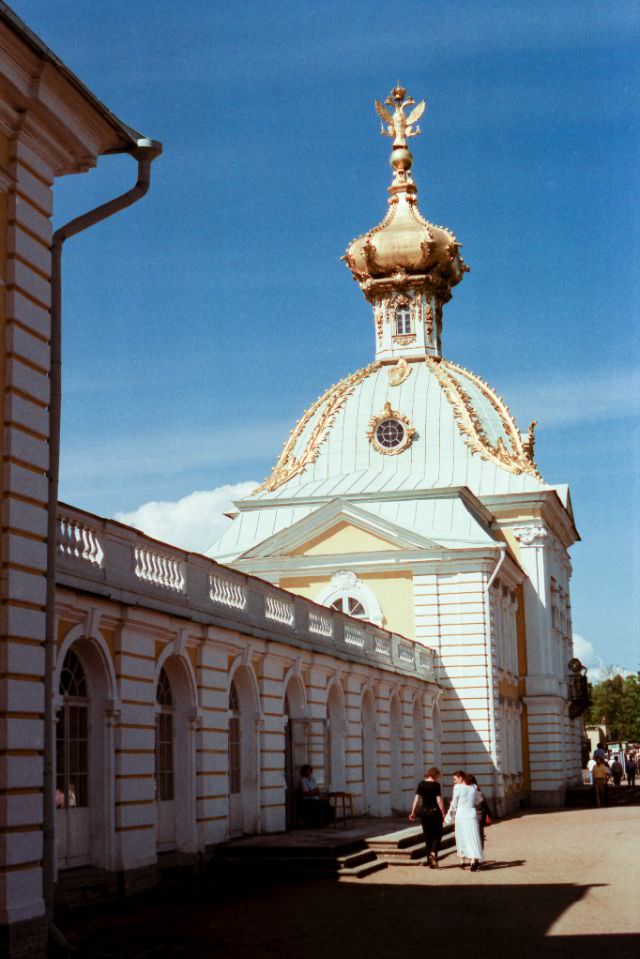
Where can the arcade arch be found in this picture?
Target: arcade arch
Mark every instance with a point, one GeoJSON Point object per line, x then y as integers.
{"type": "Point", "coordinates": [395, 757]}
{"type": "Point", "coordinates": [175, 711]}
{"type": "Point", "coordinates": [243, 713]}
{"type": "Point", "coordinates": [84, 709]}
{"type": "Point", "coordinates": [369, 753]}
{"type": "Point", "coordinates": [335, 738]}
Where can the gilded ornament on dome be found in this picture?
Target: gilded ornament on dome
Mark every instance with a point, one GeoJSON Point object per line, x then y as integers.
{"type": "Point", "coordinates": [428, 322]}
{"type": "Point", "coordinates": [515, 459]}
{"type": "Point", "coordinates": [399, 373]}
{"type": "Point", "coordinates": [399, 125]}
{"type": "Point", "coordinates": [328, 405]}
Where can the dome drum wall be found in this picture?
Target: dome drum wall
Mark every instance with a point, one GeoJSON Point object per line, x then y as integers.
{"type": "Point", "coordinates": [407, 316]}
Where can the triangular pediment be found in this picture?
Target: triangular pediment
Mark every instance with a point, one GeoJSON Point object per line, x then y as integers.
{"type": "Point", "coordinates": [339, 527]}
{"type": "Point", "coordinates": [345, 537]}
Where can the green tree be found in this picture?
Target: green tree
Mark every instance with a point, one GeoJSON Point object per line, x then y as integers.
{"type": "Point", "coordinates": [616, 702]}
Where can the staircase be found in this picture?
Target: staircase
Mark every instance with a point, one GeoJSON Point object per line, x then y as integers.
{"type": "Point", "coordinates": [324, 854]}
{"type": "Point", "coordinates": [350, 857]}
{"type": "Point", "coordinates": [406, 846]}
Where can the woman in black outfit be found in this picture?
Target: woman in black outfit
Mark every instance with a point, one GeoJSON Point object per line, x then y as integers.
{"type": "Point", "coordinates": [429, 793]}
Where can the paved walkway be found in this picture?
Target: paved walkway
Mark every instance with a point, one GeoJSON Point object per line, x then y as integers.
{"type": "Point", "coordinates": [563, 883]}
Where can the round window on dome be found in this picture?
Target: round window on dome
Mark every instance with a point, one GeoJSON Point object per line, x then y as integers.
{"type": "Point", "coordinates": [390, 432]}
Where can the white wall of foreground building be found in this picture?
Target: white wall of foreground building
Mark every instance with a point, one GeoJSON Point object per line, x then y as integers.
{"type": "Point", "coordinates": [359, 701]}
{"type": "Point", "coordinates": [50, 125]}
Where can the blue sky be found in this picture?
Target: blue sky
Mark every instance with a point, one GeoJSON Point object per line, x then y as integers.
{"type": "Point", "coordinates": [199, 324]}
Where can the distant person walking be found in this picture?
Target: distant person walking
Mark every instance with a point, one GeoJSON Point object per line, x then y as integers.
{"type": "Point", "coordinates": [599, 753]}
{"type": "Point", "coordinates": [600, 776]}
{"type": "Point", "coordinates": [463, 811]}
{"type": "Point", "coordinates": [630, 768]}
{"type": "Point", "coordinates": [616, 771]}
{"type": "Point", "coordinates": [429, 799]}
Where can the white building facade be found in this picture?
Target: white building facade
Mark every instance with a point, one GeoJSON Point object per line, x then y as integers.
{"type": "Point", "coordinates": [408, 495]}
{"type": "Point", "coordinates": [189, 695]}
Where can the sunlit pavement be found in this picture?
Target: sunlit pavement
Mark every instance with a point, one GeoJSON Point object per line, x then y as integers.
{"type": "Point", "coordinates": [559, 883]}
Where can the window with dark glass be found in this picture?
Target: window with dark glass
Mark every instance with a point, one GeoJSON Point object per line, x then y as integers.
{"type": "Point", "coordinates": [164, 739]}
{"type": "Point", "coordinates": [72, 736]}
{"type": "Point", "coordinates": [235, 777]}
{"type": "Point", "coordinates": [349, 605]}
{"type": "Point", "coordinates": [390, 433]}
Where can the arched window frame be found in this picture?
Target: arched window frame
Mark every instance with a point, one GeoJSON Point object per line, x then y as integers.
{"type": "Point", "coordinates": [72, 735]}
{"type": "Point", "coordinates": [346, 586]}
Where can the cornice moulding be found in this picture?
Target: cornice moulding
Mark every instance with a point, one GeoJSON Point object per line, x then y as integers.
{"type": "Point", "coordinates": [73, 127]}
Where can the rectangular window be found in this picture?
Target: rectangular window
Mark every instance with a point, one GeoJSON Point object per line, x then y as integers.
{"type": "Point", "coordinates": [164, 757]}
{"type": "Point", "coordinates": [235, 778]}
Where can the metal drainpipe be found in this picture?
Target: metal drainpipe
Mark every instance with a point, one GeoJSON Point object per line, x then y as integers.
{"type": "Point", "coordinates": [145, 151]}
{"type": "Point", "coordinates": [492, 711]}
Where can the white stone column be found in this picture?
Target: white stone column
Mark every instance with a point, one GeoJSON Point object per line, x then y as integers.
{"type": "Point", "coordinates": [135, 819]}
{"type": "Point", "coordinates": [545, 700]}
{"type": "Point", "coordinates": [272, 746]}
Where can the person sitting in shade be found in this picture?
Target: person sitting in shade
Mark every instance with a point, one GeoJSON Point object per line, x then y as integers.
{"type": "Point", "coordinates": [316, 810]}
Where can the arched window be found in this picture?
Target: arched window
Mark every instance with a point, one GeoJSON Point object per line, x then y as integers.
{"type": "Point", "coordinates": [235, 768]}
{"type": "Point", "coordinates": [348, 594]}
{"type": "Point", "coordinates": [403, 319]}
{"type": "Point", "coordinates": [72, 737]}
{"type": "Point", "coordinates": [164, 739]}
{"type": "Point", "coordinates": [350, 605]}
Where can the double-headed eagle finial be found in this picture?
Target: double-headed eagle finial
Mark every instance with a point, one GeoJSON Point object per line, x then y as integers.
{"type": "Point", "coordinates": [399, 126]}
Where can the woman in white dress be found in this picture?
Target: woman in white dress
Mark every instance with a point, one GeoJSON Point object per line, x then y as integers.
{"type": "Point", "coordinates": [464, 813]}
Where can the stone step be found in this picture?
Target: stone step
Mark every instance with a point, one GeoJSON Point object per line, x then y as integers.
{"type": "Point", "coordinates": [364, 869]}
{"type": "Point", "coordinates": [406, 846]}
{"type": "Point", "coordinates": [277, 864]}
{"type": "Point", "coordinates": [356, 858]}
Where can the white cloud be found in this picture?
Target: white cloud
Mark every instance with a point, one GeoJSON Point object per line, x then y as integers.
{"type": "Point", "coordinates": [598, 669]}
{"type": "Point", "coordinates": [194, 522]}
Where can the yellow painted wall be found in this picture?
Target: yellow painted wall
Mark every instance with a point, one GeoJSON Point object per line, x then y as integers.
{"type": "Point", "coordinates": [393, 590]}
{"type": "Point", "coordinates": [344, 538]}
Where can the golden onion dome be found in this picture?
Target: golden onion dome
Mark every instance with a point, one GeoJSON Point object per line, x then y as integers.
{"type": "Point", "coordinates": [404, 242]}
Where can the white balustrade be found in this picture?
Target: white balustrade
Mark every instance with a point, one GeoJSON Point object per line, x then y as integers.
{"type": "Point", "coordinates": [406, 653]}
{"type": "Point", "coordinates": [425, 659]}
{"type": "Point", "coordinates": [161, 570]}
{"type": "Point", "coordinates": [106, 554]}
{"type": "Point", "coordinates": [79, 541]}
{"type": "Point", "coordinates": [353, 636]}
{"type": "Point", "coordinates": [320, 624]}
{"type": "Point", "coordinates": [279, 610]}
{"type": "Point", "coordinates": [382, 646]}
{"type": "Point", "coordinates": [226, 592]}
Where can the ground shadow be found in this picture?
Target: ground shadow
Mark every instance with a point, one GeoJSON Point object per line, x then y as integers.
{"type": "Point", "coordinates": [324, 919]}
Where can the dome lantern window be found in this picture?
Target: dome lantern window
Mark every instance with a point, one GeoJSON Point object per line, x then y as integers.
{"type": "Point", "coordinates": [403, 319]}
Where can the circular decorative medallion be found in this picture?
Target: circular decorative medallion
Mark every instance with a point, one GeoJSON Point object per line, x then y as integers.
{"type": "Point", "coordinates": [390, 432]}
